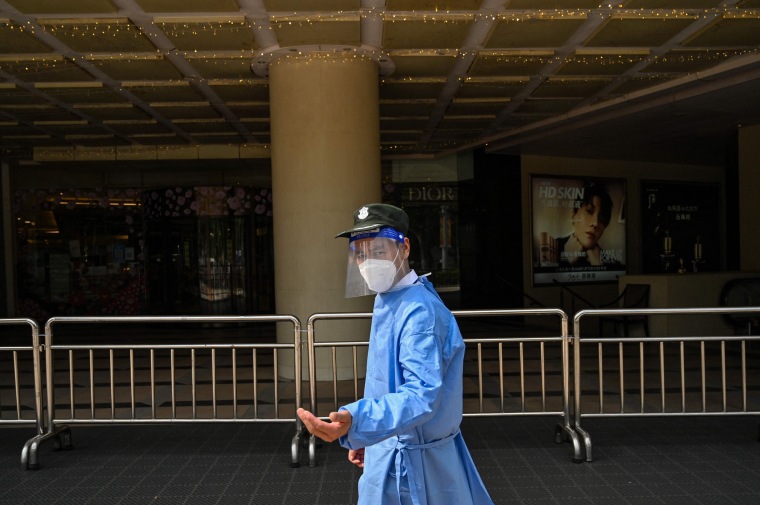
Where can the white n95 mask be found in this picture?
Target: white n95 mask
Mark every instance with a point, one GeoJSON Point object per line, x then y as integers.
{"type": "Point", "coordinates": [379, 274]}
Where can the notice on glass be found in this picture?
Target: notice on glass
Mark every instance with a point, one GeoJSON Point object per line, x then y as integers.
{"type": "Point", "coordinates": [60, 277]}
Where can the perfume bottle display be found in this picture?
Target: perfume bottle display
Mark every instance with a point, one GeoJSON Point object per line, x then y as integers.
{"type": "Point", "coordinates": [667, 254]}
{"type": "Point", "coordinates": [698, 260]}
{"type": "Point", "coordinates": [680, 221]}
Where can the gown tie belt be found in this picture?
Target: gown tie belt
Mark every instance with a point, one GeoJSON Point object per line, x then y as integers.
{"type": "Point", "coordinates": [416, 482]}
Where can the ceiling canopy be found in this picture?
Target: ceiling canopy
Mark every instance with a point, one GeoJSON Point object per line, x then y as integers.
{"type": "Point", "coordinates": [574, 77]}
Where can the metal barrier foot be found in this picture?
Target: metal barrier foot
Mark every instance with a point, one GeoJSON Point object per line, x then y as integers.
{"type": "Point", "coordinates": [29, 453]}
{"type": "Point", "coordinates": [564, 433]}
{"type": "Point", "coordinates": [312, 451]}
{"type": "Point", "coordinates": [586, 442]}
{"type": "Point", "coordinates": [295, 447]}
{"type": "Point", "coordinates": [62, 440]}
{"type": "Point", "coordinates": [560, 435]}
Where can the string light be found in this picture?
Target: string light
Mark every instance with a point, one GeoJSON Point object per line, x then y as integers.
{"type": "Point", "coordinates": [115, 27]}
{"type": "Point", "coordinates": [49, 66]}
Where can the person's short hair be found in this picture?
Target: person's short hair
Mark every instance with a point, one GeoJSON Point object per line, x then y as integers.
{"type": "Point", "coordinates": [591, 190]}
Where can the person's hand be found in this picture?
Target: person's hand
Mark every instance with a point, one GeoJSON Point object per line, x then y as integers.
{"type": "Point", "coordinates": [356, 457]}
{"type": "Point", "coordinates": [594, 255]}
{"type": "Point", "coordinates": [340, 423]}
{"type": "Point", "coordinates": [573, 249]}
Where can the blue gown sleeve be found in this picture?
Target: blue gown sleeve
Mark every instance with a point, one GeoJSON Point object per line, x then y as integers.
{"type": "Point", "coordinates": [414, 401]}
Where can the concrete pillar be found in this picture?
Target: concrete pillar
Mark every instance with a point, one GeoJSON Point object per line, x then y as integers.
{"type": "Point", "coordinates": [325, 163]}
{"type": "Point", "coordinates": [749, 203]}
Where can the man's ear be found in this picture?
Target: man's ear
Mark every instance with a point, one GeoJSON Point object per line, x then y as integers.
{"type": "Point", "coordinates": [407, 247]}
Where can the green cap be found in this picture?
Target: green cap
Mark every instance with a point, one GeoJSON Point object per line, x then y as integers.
{"type": "Point", "coordinates": [377, 215]}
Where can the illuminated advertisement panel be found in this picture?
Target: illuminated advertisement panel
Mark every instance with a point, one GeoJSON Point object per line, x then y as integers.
{"type": "Point", "coordinates": [578, 229]}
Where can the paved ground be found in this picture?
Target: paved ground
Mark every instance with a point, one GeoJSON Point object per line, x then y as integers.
{"type": "Point", "coordinates": [708, 460]}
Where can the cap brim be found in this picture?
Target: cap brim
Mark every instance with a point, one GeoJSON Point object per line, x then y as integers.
{"type": "Point", "coordinates": [363, 227]}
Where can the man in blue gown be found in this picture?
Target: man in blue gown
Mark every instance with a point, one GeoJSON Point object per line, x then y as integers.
{"type": "Point", "coordinates": [405, 431]}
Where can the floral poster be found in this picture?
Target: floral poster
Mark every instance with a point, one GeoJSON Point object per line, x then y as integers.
{"type": "Point", "coordinates": [209, 201]}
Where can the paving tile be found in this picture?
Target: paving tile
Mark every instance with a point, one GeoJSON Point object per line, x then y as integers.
{"type": "Point", "coordinates": [517, 457]}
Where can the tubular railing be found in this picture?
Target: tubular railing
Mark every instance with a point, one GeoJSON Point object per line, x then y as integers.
{"type": "Point", "coordinates": [312, 346]}
{"type": "Point", "coordinates": [529, 388]}
{"type": "Point", "coordinates": [26, 393]}
{"type": "Point", "coordinates": [663, 375]}
{"type": "Point", "coordinates": [147, 383]}
{"type": "Point", "coordinates": [525, 374]}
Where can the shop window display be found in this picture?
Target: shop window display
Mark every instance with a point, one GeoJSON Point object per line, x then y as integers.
{"type": "Point", "coordinates": [79, 252]}
{"type": "Point", "coordinates": [195, 250]}
{"type": "Point", "coordinates": [435, 238]}
{"type": "Point", "coordinates": [209, 250]}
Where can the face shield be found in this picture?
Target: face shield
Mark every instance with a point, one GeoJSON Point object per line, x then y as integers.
{"type": "Point", "coordinates": [374, 261]}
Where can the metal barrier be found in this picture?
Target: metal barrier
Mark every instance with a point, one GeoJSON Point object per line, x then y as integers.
{"type": "Point", "coordinates": [25, 393]}
{"type": "Point", "coordinates": [131, 383]}
{"type": "Point", "coordinates": [529, 395]}
{"type": "Point", "coordinates": [671, 375]}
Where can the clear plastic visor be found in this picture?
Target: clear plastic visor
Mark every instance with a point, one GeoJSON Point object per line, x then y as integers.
{"type": "Point", "coordinates": [373, 266]}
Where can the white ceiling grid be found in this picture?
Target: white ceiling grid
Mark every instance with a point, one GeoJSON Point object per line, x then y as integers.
{"type": "Point", "coordinates": [456, 74]}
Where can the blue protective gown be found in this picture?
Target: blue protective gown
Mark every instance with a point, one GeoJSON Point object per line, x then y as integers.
{"type": "Point", "coordinates": [409, 418]}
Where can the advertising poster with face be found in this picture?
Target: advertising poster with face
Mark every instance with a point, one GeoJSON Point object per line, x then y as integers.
{"type": "Point", "coordinates": [578, 229]}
